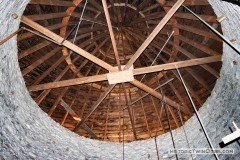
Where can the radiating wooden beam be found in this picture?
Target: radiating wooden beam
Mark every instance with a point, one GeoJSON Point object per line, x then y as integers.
{"type": "Point", "coordinates": [66, 43]}
{"type": "Point", "coordinates": [180, 64]}
{"type": "Point", "coordinates": [86, 99]}
{"type": "Point", "coordinates": [205, 66]}
{"type": "Point", "coordinates": [179, 96]}
{"type": "Point", "coordinates": [33, 49]}
{"type": "Point", "coordinates": [100, 8]}
{"type": "Point", "coordinates": [40, 61]}
{"type": "Point", "coordinates": [106, 120]}
{"type": "Point", "coordinates": [71, 104]}
{"type": "Point", "coordinates": [145, 117]}
{"type": "Point", "coordinates": [139, 8]}
{"type": "Point", "coordinates": [151, 17]}
{"type": "Point", "coordinates": [95, 105]}
{"type": "Point", "coordinates": [53, 3]}
{"type": "Point", "coordinates": [137, 71]}
{"type": "Point", "coordinates": [118, 61]}
{"type": "Point", "coordinates": [188, 3]}
{"type": "Point", "coordinates": [154, 33]}
{"type": "Point", "coordinates": [199, 79]}
{"type": "Point", "coordinates": [39, 99]}
{"type": "Point", "coordinates": [111, 33]}
{"type": "Point", "coordinates": [54, 106]}
{"type": "Point", "coordinates": [174, 116]}
{"type": "Point", "coordinates": [77, 118]}
{"type": "Point", "coordinates": [159, 96]}
{"type": "Point", "coordinates": [198, 32]}
{"type": "Point", "coordinates": [51, 28]}
{"type": "Point", "coordinates": [38, 17]}
{"type": "Point", "coordinates": [198, 46]}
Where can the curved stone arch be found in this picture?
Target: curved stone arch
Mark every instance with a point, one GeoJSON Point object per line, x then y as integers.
{"type": "Point", "coordinates": [28, 133]}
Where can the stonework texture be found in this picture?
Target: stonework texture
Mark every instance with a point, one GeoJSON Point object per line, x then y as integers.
{"type": "Point", "coordinates": [26, 132]}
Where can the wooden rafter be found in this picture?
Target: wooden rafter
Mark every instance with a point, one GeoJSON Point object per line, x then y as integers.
{"type": "Point", "coordinates": [175, 91]}
{"type": "Point", "coordinates": [40, 61]}
{"type": "Point", "coordinates": [174, 116]}
{"type": "Point", "coordinates": [33, 49]}
{"type": "Point", "coordinates": [71, 104]}
{"type": "Point", "coordinates": [154, 33]}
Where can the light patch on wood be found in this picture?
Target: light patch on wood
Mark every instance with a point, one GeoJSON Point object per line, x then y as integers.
{"type": "Point", "coordinates": [119, 77]}
{"type": "Point", "coordinates": [221, 18]}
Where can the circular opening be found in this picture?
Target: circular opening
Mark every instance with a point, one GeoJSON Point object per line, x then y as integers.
{"type": "Point", "coordinates": [43, 62]}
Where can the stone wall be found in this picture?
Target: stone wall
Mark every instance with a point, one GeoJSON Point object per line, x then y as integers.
{"type": "Point", "coordinates": [28, 133]}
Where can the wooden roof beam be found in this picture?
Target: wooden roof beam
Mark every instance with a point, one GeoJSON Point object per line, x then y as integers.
{"type": "Point", "coordinates": [199, 79]}
{"type": "Point", "coordinates": [188, 3]}
{"type": "Point", "coordinates": [39, 99]}
{"type": "Point", "coordinates": [174, 116]}
{"type": "Point", "coordinates": [38, 17]}
{"type": "Point", "coordinates": [71, 104]}
{"type": "Point", "coordinates": [188, 86]}
{"type": "Point", "coordinates": [106, 120]}
{"type": "Point", "coordinates": [54, 106]}
{"type": "Point", "coordinates": [198, 46]}
{"type": "Point", "coordinates": [100, 8]}
{"type": "Point", "coordinates": [29, 34]}
{"type": "Point", "coordinates": [175, 91]}
{"type": "Point", "coordinates": [77, 118]}
{"type": "Point", "coordinates": [53, 3]}
{"type": "Point", "coordinates": [159, 96]}
{"type": "Point", "coordinates": [159, 15]}
{"type": "Point", "coordinates": [154, 33]}
{"type": "Point", "coordinates": [139, 8]}
{"type": "Point", "coordinates": [205, 66]}
{"type": "Point", "coordinates": [40, 61]}
{"type": "Point", "coordinates": [145, 117]}
{"type": "Point", "coordinates": [117, 60]}
{"type": "Point", "coordinates": [66, 43]}
{"type": "Point", "coordinates": [33, 49]}
{"type": "Point", "coordinates": [95, 105]}
{"type": "Point", "coordinates": [138, 71]}
{"type": "Point", "coordinates": [198, 32]}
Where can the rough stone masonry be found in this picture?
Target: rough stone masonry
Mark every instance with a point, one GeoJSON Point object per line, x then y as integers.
{"type": "Point", "coordinates": [28, 133]}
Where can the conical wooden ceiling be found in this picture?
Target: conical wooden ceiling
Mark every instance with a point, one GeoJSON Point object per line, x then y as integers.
{"type": "Point", "coordinates": [53, 73]}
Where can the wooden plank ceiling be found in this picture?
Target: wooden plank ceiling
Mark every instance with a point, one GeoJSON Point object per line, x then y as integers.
{"type": "Point", "coordinates": [111, 34]}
